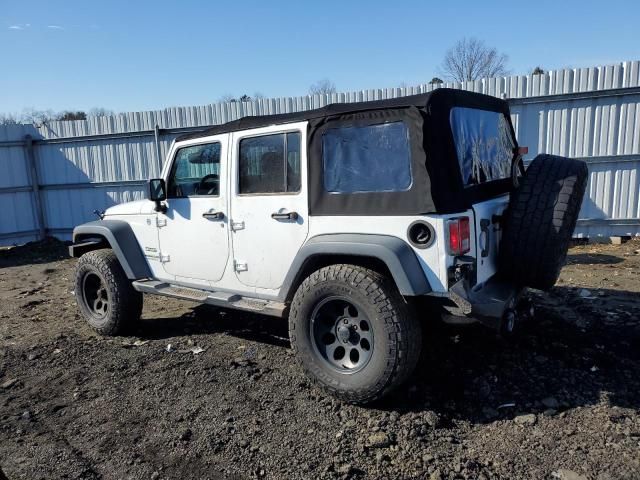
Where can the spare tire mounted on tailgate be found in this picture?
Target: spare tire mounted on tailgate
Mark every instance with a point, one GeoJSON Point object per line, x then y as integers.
{"type": "Point", "coordinates": [540, 220]}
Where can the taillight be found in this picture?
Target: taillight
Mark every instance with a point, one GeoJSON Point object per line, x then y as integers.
{"type": "Point", "coordinates": [459, 236]}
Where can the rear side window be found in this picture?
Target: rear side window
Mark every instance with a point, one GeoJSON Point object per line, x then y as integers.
{"type": "Point", "coordinates": [371, 158]}
{"type": "Point", "coordinates": [484, 144]}
{"type": "Point", "coordinates": [270, 164]}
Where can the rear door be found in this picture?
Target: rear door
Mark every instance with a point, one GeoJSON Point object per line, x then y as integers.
{"type": "Point", "coordinates": [269, 210]}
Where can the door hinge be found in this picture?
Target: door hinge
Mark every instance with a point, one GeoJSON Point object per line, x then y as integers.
{"type": "Point", "coordinates": [235, 226]}
{"type": "Point", "coordinates": [161, 222]}
{"type": "Point", "coordinates": [151, 252]}
{"type": "Point", "coordinates": [164, 258]}
{"type": "Point", "coordinates": [240, 266]}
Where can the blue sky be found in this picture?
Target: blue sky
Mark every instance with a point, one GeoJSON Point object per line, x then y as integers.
{"type": "Point", "coordinates": [143, 55]}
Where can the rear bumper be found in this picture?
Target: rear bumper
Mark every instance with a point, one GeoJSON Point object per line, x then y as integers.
{"type": "Point", "coordinates": [488, 302]}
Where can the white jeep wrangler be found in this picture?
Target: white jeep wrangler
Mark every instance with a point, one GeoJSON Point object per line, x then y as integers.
{"type": "Point", "coordinates": [356, 221]}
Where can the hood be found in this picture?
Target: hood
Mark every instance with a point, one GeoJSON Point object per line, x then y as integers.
{"type": "Point", "coordinates": [129, 208]}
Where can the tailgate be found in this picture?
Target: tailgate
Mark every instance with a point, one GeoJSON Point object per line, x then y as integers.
{"type": "Point", "coordinates": [488, 235]}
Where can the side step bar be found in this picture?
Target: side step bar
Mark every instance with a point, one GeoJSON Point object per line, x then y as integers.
{"type": "Point", "coordinates": [219, 299]}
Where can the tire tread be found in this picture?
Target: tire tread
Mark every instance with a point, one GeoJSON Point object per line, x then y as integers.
{"type": "Point", "coordinates": [125, 301]}
{"type": "Point", "coordinates": [401, 326]}
{"type": "Point", "coordinates": [540, 221]}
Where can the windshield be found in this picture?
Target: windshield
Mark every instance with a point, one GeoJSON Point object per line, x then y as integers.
{"type": "Point", "coordinates": [484, 144]}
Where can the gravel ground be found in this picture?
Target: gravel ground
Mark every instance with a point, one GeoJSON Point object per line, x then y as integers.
{"type": "Point", "coordinates": [208, 393]}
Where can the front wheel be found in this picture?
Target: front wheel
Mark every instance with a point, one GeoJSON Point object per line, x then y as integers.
{"type": "Point", "coordinates": [353, 332]}
{"type": "Point", "coordinates": [104, 294]}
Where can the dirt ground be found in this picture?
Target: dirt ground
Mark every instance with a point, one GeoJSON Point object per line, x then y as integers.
{"type": "Point", "coordinates": [208, 393]}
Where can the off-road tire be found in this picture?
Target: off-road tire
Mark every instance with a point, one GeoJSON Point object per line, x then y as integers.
{"type": "Point", "coordinates": [125, 303]}
{"type": "Point", "coordinates": [540, 220]}
{"type": "Point", "coordinates": [397, 333]}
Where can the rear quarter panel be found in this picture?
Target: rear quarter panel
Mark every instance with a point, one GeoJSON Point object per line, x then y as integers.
{"type": "Point", "coordinates": [434, 259]}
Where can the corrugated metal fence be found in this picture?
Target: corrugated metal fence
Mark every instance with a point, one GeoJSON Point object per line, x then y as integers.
{"type": "Point", "coordinates": [54, 176]}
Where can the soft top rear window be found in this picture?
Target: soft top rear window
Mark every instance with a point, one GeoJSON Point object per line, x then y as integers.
{"type": "Point", "coordinates": [484, 144]}
{"type": "Point", "coordinates": [370, 158]}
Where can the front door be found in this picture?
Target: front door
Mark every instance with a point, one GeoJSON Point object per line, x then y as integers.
{"type": "Point", "coordinates": [193, 233]}
{"type": "Point", "coordinates": [269, 219]}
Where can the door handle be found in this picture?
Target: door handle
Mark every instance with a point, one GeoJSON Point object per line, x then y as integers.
{"type": "Point", "coordinates": [212, 215]}
{"type": "Point", "coordinates": [285, 216]}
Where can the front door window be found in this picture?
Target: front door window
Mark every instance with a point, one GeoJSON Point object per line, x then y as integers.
{"type": "Point", "coordinates": [196, 171]}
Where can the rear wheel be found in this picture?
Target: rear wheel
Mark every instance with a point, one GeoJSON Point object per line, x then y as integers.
{"type": "Point", "coordinates": [104, 293]}
{"type": "Point", "coordinates": [353, 332]}
{"type": "Point", "coordinates": [540, 220]}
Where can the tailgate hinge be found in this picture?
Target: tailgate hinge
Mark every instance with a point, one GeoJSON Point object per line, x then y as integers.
{"type": "Point", "coordinates": [161, 222]}
{"type": "Point", "coordinates": [485, 237]}
{"type": "Point", "coordinates": [164, 258]}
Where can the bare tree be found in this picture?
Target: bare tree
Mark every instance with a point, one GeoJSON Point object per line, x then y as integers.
{"type": "Point", "coordinates": [322, 87]}
{"type": "Point", "coordinates": [42, 117]}
{"type": "Point", "coordinates": [8, 119]}
{"type": "Point", "coordinates": [100, 112]}
{"type": "Point", "coordinates": [243, 98]}
{"type": "Point", "coordinates": [471, 59]}
{"type": "Point", "coordinates": [37, 117]}
{"type": "Point", "coordinates": [68, 116]}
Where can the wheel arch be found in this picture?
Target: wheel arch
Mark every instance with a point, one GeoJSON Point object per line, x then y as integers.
{"type": "Point", "coordinates": [383, 253]}
{"type": "Point", "coordinates": [114, 234]}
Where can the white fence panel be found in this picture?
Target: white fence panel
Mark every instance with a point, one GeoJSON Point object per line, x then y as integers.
{"type": "Point", "coordinates": [589, 113]}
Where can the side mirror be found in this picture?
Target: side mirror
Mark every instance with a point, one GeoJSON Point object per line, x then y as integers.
{"type": "Point", "coordinates": [158, 193]}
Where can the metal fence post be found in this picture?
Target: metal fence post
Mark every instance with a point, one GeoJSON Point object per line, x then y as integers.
{"type": "Point", "coordinates": [35, 186]}
{"type": "Point", "coordinates": [156, 132]}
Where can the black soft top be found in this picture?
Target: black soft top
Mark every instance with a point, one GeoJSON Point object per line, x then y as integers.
{"type": "Point", "coordinates": [420, 101]}
{"type": "Point", "coordinates": [437, 182]}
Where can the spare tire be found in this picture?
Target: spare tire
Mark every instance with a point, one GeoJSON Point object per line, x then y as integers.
{"type": "Point", "coordinates": [540, 220]}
